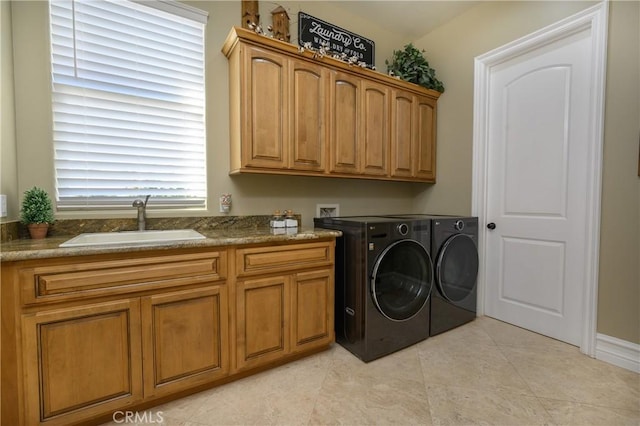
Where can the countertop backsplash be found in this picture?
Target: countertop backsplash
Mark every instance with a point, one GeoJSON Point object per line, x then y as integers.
{"type": "Point", "coordinates": [70, 227]}
{"type": "Point", "coordinates": [9, 231]}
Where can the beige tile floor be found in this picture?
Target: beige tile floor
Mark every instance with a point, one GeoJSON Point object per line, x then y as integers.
{"type": "Point", "coordinates": [483, 373]}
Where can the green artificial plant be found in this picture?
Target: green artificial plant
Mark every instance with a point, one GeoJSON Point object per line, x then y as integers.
{"type": "Point", "coordinates": [410, 65]}
{"type": "Point", "coordinates": [36, 207]}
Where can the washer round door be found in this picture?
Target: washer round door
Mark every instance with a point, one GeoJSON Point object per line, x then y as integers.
{"type": "Point", "coordinates": [457, 268]}
{"type": "Point", "coordinates": [402, 280]}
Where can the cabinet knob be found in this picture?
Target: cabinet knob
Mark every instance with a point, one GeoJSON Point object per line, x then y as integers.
{"type": "Point", "coordinates": [491, 225]}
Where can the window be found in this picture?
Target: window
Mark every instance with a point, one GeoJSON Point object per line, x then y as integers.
{"type": "Point", "coordinates": [128, 103]}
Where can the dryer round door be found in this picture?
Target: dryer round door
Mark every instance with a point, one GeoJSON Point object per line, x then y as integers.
{"type": "Point", "coordinates": [457, 268]}
{"type": "Point", "coordinates": [402, 280]}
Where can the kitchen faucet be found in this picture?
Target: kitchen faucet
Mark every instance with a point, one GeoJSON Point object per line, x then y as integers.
{"type": "Point", "coordinates": [142, 212]}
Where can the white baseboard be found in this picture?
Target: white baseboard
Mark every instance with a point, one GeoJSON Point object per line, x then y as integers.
{"type": "Point", "coordinates": [618, 352]}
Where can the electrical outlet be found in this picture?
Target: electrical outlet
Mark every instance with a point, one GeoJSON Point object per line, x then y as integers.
{"type": "Point", "coordinates": [327, 210]}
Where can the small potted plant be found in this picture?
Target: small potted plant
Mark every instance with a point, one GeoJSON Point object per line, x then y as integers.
{"type": "Point", "coordinates": [37, 212]}
{"type": "Point", "coordinates": [410, 65]}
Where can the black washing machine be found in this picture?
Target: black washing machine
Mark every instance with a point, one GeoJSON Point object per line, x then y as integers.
{"type": "Point", "coordinates": [384, 278]}
{"type": "Point", "coordinates": [454, 245]}
{"type": "Point", "coordinates": [455, 240]}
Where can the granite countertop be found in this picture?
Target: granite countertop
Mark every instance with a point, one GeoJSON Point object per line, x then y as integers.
{"type": "Point", "coordinates": [26, 249]}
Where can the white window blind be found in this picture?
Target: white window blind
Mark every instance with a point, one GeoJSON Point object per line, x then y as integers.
{"type": "Point", "coordinates": [128, 103]}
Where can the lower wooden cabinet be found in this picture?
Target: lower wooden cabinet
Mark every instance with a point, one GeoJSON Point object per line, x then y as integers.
{"type": "Point", "coordinates": [312, 309]}
{"type": "Point", "coordinates": [283, 314]}
{"type": "Point", "coordinates": [284, 301]}
{"type": "Point", "coordinates": [263, 316]}
{"type": "Point", "coordinates": [81, 361]}
{"type": "Point", "coordinates": [185, 338]}
{"type": "Point", "coordinates": [91, 359]}
{"type": "Point", "coordinates": [112, 344]}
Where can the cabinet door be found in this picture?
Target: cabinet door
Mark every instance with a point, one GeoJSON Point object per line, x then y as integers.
{"type": "Point", "coordinates": [263, 309]}
{"type": "Point", "coordinates": [308, 110]}
{"type": "Point", "coordinates": [345, 110]}
{"type": "Point", "coordinates": [264, 109]}
{"type": "Point", "coordinates": [375, 128]}
{"type": "Point", "coordinates": [403, 127]}
{"type": "Point", "coordinates": [81, 361]}
{"type": "Point", "coordinates": [425, 150]}
{"type": "Point", "coordinates": [185, 339]}
{"type": "Point", "coordinates": [312, 309]}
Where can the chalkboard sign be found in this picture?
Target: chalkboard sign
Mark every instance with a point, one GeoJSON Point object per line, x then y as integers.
{"type": "Point", "coordinates": [313, 30]}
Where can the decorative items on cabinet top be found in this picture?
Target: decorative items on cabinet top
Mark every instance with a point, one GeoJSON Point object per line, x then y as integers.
{"type": "Point", "coordinates": [342, 44]}
{"type": "Point", "coordinates": [411, 65]}
{"type": "Point", "coordinates": [294, 112]}
{"type": "Point", "coordinates": [237, 34]}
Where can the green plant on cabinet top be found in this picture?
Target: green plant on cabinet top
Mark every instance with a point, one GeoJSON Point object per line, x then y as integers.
{"type": "Point", "coordinates": [410, 65]}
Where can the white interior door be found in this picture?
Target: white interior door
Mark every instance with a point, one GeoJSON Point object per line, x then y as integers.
{"type": "Point", "coordinates": [537, 190]}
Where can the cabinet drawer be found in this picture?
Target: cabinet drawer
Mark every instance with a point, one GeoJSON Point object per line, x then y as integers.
{"type": "Point", "coordinates": [281, 258]}
{"type": "Point", "coordinates": [74, 280]}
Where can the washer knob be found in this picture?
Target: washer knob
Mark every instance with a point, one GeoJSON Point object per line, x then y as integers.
{"type": "Point", "coordinates": [459, 225]}
{"type": "Point", "coordinates": [403, 229]}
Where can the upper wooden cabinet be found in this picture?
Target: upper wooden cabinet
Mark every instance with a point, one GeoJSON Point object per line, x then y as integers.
{"type": "Point", "coordinates": [374, 121]}
{"type": "Point", "coordinates": [425, 139]}
{"type": "Point", "coordinates": [413, 136]}
{"type": "Point", "coordinates": [263, 108]}
{"type": "Point", "coordinates": [359, 123]}
{"type": "Point", "coordinates": [346, 102]}
{"type": "Point", "coordinates": [291, 113]}
{"type": "Point", "coordinates": [308, 116]}
{"type": "Point", "coordinates": [281, 122]}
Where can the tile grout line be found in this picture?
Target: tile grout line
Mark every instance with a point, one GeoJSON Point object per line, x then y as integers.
{"type": "Point", "coordinates": [535, 395]}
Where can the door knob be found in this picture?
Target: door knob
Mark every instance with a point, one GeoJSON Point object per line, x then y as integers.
{"type": "Point", "coordinates": [491, 225]}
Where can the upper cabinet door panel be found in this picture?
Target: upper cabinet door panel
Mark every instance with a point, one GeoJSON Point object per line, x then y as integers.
{"type": "Point", "coordinates": [308, 116]}
{"type": "Point", "coordinates": [345, 100]}
{"type": "Point", "coordinates": [375, 128]}
{"type": "Point", "coordinates": [425, 155]}
{"type": "Point", "coordinates": [403, 125]}
{"type": "Point", "coordinates": [265, 109]}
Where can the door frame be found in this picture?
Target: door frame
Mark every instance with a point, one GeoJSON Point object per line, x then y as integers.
{"type": "Point", "coordinates": [595, 19]}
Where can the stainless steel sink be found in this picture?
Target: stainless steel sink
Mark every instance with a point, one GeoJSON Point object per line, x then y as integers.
{"type": "Point", "coordinates": [132, 237]}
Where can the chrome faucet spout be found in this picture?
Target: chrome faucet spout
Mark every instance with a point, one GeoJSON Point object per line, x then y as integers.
{"type": "Point", "coordinates": [142, 212]}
